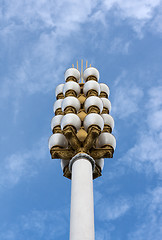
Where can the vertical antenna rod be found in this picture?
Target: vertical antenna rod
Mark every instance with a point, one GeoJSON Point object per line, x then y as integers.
{"type": "Point", "coordinates": [82, 71]}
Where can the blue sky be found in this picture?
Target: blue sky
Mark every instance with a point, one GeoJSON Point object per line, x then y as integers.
{"type": "Point", "coordinates": [40, 39]}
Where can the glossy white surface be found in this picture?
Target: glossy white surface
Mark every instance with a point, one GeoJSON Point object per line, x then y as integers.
{"type": "Point", "coordinates": [71, 85]}
{"type": "Point", "coordinates": [93, 101]}
{"type": "Point", "coordinates": [104, 88]}
{"type": "Point", "coordinates": [56, 121]}
{"type": "Point", "coordinates": [91, 85]}
{"type": "Point", "coordinates": [70, 101]}
{"type": "Point", "coordinates": [57, 104]}
{"type": "Point", "coordinates": [71, 119]}
{"type": "Point", "coordinates": [108, 120]}
{"type": "Point", "coordinates": [106, 139]}
{"type": "Point", "coordinates": [91, 71]}
{"type": "Point", "coordinates": [82, 206]}
{"type": "Point", "coordinates": [64, 163]}
{"type": "Point", "coordinates": [93, 119]}
{"type": "Point", "coordinates": [57, 139]}
{"type": "Point", "coordinates": [59, 89]}
{"type": "Point", "coordinates": [106, 103]}
{"type": "Point", "coordinates": [72, 72]}
{"type": "Point", "coordinates": [100, 163]}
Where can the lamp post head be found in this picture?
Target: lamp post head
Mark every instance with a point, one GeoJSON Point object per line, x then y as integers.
{"type": "Point", "coordinates": [82, 123]}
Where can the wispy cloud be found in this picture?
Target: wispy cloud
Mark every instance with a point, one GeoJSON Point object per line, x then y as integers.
{"type": "Point", "coordinates": [146, 153]}
{"type": "Point", "coordinates": [126, 97]}
{"type": "Point", "coordinates": [111, 210]}
{"type": "Point", "coordinates": [150, 207]}
{"type": "Point", "coordinates": [36, 225]}
{"type": "Point", "coordinates": [22, 165]}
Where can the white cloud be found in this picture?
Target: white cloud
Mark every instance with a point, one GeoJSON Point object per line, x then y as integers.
{"type": "Point", "coordinates": [18, 166]}
{"type": "Point", "coordinates": [146, 154]}
{"type": "Point", "coordinates": [137, 12]}
{"type": "Point", "coordinates": [150, 209]}
{"type": "Point", "coordinates": [36, 225]}
{"type": "Point", "coordinates": [108, 210]}
{"type": "Point", "coordinates": [126, 98]}
{"type": "Point", "coordinates": [137, 9]}
{"type": "Point", "coordinates": [119, 46]}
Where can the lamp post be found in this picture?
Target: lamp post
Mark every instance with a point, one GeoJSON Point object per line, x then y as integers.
{"type": "Point", "coordinates": [82, 138]}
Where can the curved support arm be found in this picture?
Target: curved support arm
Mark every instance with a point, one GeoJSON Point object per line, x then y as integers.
{"type": "Point", "coordinates": [91, 137]}
{"type": "Point", "coordinates": [71, 136]}
{"type": "Point", "coordinates": [105, 152]}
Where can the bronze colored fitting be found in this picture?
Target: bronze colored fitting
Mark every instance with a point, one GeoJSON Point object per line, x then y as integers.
{"type": "Point", "coordinates": [97, 172]}
{"type": "Point", "coordinates": [103, 95]}
{"type": "Point", "coordinates": [81, 98]}
{"type": "Point", "coordinates": [61, 153]}
{"type": "Point", "coordinates": [71, 93]}
{"type": "Point", "coordinates": [57, 129]}
{"type": "Point", "coordinates": [93, 132]}
{"type": "Point", "coordinates": [105, 110]}
{"type": "Point", "coordinates": [66, 172]}
{"type": "Point", "coordinates": [91, 78]}
{"type": "Point", "coordinates": [93, 109]}
{"type": "Point", "coordinates": [70, 134]}
{"type": "Point", "coordinates": [104, 152]}
{"type": "Point", "coordinates": [70, 109]}
{"type": "Point", "coordinates": [81, 134]}
{"type": "Point", "coordinates": [59, 112]}
{"type": "Point", "coordinates": [92, 92]}
{"type": "Point", "coordinates": [82, 115]}
{"type": "Point", "coordinates": [71, 78]}
{"type": "Point", "coordinates": [60, 96]}
{"type": "Point", "coordinates": [107, 128]}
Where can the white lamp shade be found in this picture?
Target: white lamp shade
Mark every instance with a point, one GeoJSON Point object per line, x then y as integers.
{"type": "Point", "coordinates": [71, 85]}
{"type": "Point", "coordinates": [93, 101]}
{"type": "Point", "coordinates": [64, 163]}
{"type": "Point", "coordinates": [104, 88]}
{"type": "Point", "coordinates": [59, 89]}
{"type": "Point", "coordinates": [72, 72]}
{"type": "Point", "coordinates": [56, 121]}
{"type": "Point", "coordinates": [71, 119]}
{"type": "Point", "coordinates": [57, 139]}
{"type": "Point", "coordinates": [91, 85]}
{"type": "Point", "coordinates": [106, 103]}
{"type": "Point", "coordinates": [70, 101]}
{"type": "Point", "coordinates": [106, 139]}
{"type": "Point", "coordinates": [57, 104]}
{"type": "Point", "coordinates": [91, 71]}
{"type": "Point", "coordinates": [100, 163]}
{"type": "Point", "coordinates": [108, 120]}
{"type": "Point", "coordinates": [93, 119]}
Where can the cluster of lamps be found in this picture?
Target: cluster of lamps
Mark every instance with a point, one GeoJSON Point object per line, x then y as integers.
{"type": "Point", "coordinates": [82, 121]}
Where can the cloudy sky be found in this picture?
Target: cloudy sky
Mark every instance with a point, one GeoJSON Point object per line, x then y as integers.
{"type": "Point", "coordinates": [39, 40]}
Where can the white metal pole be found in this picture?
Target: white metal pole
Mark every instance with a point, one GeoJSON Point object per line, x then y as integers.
{"type": "Point", "coordinates": [82, 206]}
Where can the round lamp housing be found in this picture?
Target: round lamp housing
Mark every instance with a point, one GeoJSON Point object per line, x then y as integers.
{"type": "Point", "coordinates": [71, 86]}
{"type": "Point", "coordinates": [71, 119]}
{"type": "Point", "coordinates": [57, 140]}
{"type": "Point", "coordinates": [93, 119]}
{"type": "Point", "coordinates": [72, 72]}
{"type": "Point", "coordinates": [106, 104]}
{"type": "Point", "coordinates": [70, 102]}
{"type": "Point", "coordinates": [56, 121]}
{"type": "Point", "coordinates": [91, 71]}
{"type": "Point", "coordinates": [57, 105]}
{"type": "Point", "coordinates": [59, 89]}
{"type": "Point", "coordinates": [108, 120]}
{"type": "Point", "coordinates": [104, 89]}
{"type": "Point", "coordinates": [106, 139]}
{"type": "Point", "coordinates": [93, 101]}
{"type": "Point", "coordinates": [91, 86]}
